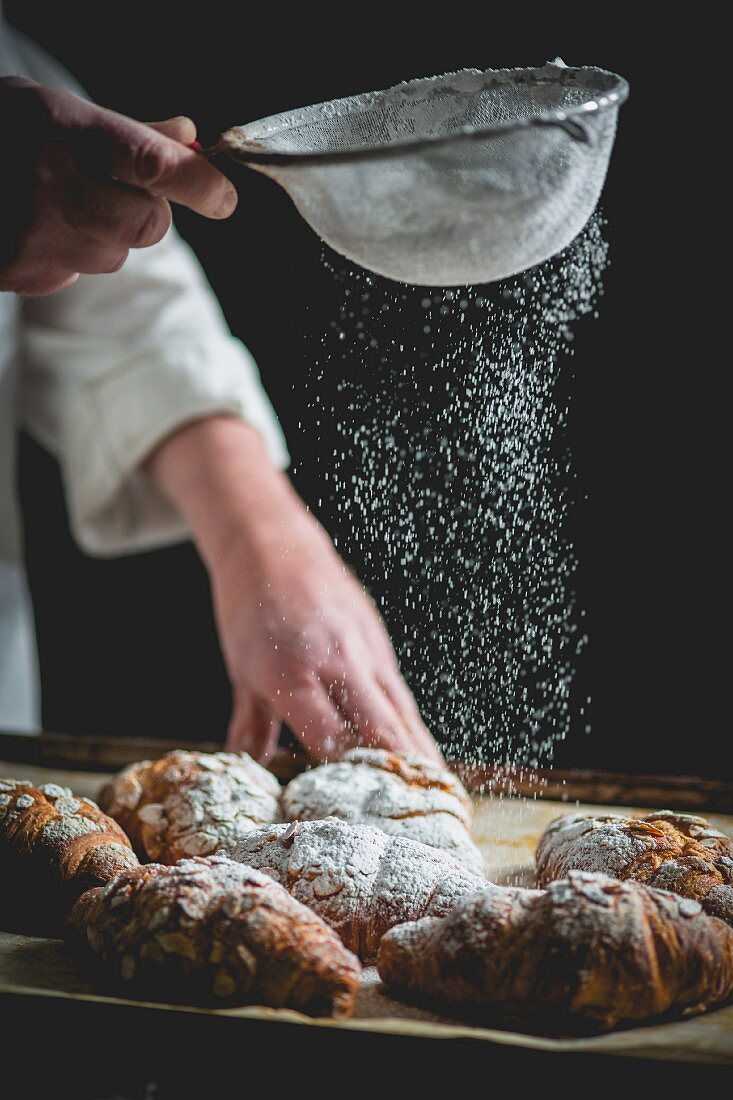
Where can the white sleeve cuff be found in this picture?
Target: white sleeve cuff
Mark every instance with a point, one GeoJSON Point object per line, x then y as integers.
{"type": "Point", "coordinates": [112, 421]}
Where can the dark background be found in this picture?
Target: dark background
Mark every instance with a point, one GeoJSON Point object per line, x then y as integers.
{"type": "Point", "coordinates": [129, 645]}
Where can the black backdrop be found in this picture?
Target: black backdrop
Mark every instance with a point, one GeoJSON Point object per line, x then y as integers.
{"type": "Point", "coordinates": [129, 645]}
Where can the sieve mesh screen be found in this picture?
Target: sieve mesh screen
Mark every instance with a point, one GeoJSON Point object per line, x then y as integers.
{"type": "Point", "coordinates": [464, 178]}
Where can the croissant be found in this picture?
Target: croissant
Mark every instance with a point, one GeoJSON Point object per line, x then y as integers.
{"type": "Point", "coordinates": [53, 846]}
{"type": "Point", "coordinates": [402, 795]}
{"type": "Point", "coordinates": [213, 931]}
{"type": "Point", "coordinates": [589, 951]}
{"type": "Point", "coordinates": [191, 803]}
{"type": "Point", "coordinates": [358, 879]}
{"type": "Point", "coordinates": [671, 851]}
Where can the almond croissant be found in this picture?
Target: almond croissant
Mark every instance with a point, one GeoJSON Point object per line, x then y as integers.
{"type": "Point", "coordinates": [210, 930]}
{"type": "Point", "coordinates": [53, 847]}
{"type": "Point", "coordinates": [671, 851]}
{"type": "Point", "coordinates": [358, 879]}
{"type": "Point", "coordinates": [402, 795]}
{"type": "Point", "coordinates": [589, 951]}
{"type": "Point", "coordinates": [191, 803]}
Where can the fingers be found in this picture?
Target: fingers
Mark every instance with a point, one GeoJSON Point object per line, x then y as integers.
{"type": "Point", "coordinates": [316, 720]}
{"type": "Point", "coordinates": [114, 216]}
{"type": "Point", "coordinates": [146, 158]}
{"type": "Point", "coordinates": [401, 697]}
{"type": "Point", "coordinates": [55, 259]}
{"type": "Point", "coordinates": [33, 282]}
{"type": "Point", "coordinates": [108, 213]}
{"type": "Point", "coordinates": [87, 226]}
{"type": "Point", "coordinates": [254, 727]}
{"type": "Point", "coordinates": [101, 185]}
{"type": "Point", "coordinates": [89, 258]}
{"type": "Point", "coordinates": [392, 683]}
{"type": "Point", "coordinates": [330, 718]}
{"type": "Point", "coordinates": [180, 128]}
{"type": "Point", "coordinates": [108, 144]}
{"type": "Point", "coordinates": [370, 712]}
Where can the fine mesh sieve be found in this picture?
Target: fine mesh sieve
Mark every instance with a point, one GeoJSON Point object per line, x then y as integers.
{"type": "Point", "coordinates": [456, 179]}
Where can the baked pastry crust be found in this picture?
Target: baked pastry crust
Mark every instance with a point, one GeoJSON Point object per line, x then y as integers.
{"type": "Point", "coordinates": [671, 851]}
{"type": "Point", "coordinates": [191, 803]}
{"type": "Point", "coordinates": [402, 795]}
{"type": "Point", "coordinates": [358, 879]}
{"type": "Point", "coordinates": [588, 953]}
{"type": "Point", "coordinates": [214, 931]}
{"type": "Point", "coordinates": [53, 846]}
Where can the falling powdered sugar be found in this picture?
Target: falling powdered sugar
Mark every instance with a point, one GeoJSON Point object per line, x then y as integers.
{"type": "Point", "coordinates": [449, 487]}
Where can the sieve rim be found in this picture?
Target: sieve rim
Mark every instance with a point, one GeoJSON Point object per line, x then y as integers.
{"type": "Point", "coordinates": [246, 151]}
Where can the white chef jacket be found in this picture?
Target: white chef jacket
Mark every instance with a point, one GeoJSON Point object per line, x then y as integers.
{"type": "Point", "coordinates": [99, 373]}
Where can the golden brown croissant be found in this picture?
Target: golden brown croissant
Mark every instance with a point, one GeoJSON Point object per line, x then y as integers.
{"type": "Point", "coordinates": [358, 879]}
{"type": "Point", "coordinates": [403, 796]}
{"type": "Point", "coordinates": [191, 803]}
{"type": "Point", "coordinates": [588, 952]}
{"type": "Point", "coordinates": [53, 846]}
{"type": "Point", "coordinates": [211, 930]}
{"type": "Point", "coordinates": [671, 851]}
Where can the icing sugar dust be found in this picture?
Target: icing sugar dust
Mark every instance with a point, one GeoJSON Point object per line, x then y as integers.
{"type": "Point", "coordinates": [450, 488]}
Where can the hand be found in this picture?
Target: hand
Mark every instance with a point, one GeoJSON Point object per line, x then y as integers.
{"type": "Point", "coordinates": [85, 185]}
{"type": "Point", "coordinates": [303, 642]}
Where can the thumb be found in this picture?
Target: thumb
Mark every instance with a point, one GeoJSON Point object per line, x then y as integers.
{"type": "Point", "coordinates": [180, 128]}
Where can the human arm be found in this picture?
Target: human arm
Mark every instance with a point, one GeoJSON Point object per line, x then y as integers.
{"type": "Point", "coordinates": [303, 642]}
{"type": "Point", "coordinates": [117, 367]}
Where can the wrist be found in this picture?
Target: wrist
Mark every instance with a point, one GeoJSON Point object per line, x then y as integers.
{"type": "Point", "coordinates": [217, 473]}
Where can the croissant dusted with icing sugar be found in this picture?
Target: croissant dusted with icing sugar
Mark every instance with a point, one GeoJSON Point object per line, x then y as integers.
{"type": "Point", "coordinates": [53, 847]}
{"type": "Point", "coordinates": [358, 879]}
{"type": "Point", "coordinates": [588, 951]}
{"type": "Point", "coordinates": [672, 851]}
{"type": "Point", "coordinates": [191, 803]}
{"type": "Point", "coordinates": [213, 931]}
{"type": "Point", "coordinates": [402, 795]}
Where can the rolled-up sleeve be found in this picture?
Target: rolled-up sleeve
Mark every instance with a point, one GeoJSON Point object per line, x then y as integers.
{"type": "Point", "coordinates": [114, 364]}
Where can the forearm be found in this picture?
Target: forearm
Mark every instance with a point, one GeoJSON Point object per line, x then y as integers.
{"type": "Point", "coordinates": [218, 475]}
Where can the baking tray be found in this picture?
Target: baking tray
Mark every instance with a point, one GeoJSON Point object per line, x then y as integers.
{"type": "Point", "coordinates": [36, 972]}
